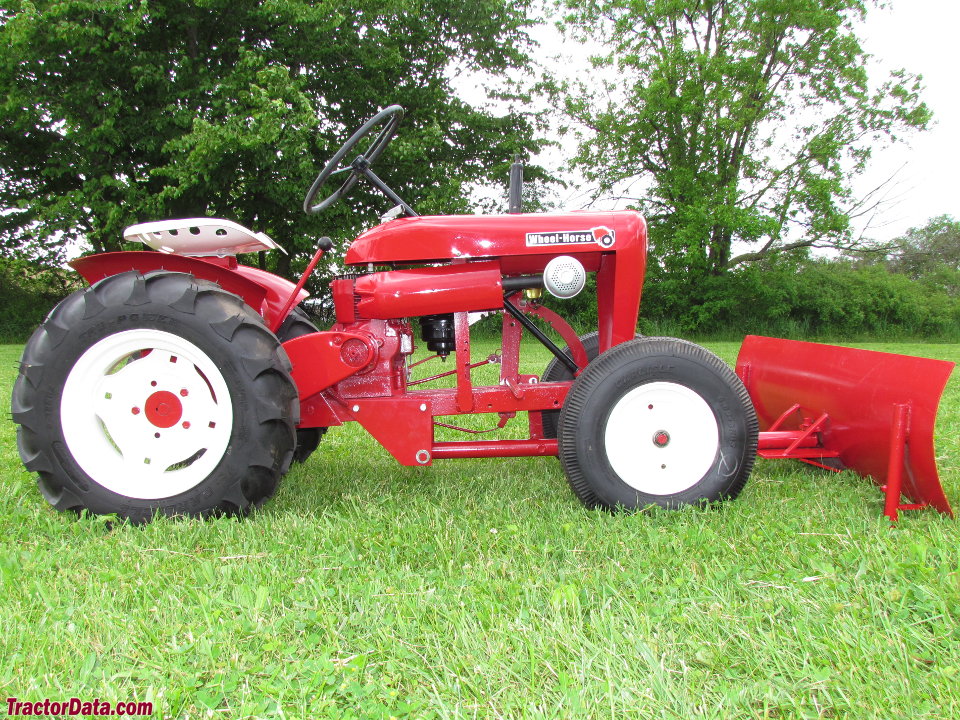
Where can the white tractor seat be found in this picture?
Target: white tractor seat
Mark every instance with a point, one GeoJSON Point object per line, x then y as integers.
{"type": "Point", "coordinates": [199, 237]}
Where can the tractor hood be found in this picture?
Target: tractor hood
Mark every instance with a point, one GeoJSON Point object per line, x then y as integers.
{"type": "Point", "coordinates": [464, 237]}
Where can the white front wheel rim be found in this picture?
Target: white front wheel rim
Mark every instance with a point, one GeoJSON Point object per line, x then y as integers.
{"type": "Point", "coordinates": [661, 438]}
{"type": "Point", "coordinates": [146, 414]}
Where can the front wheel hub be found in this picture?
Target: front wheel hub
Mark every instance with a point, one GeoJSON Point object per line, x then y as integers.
{"type": "Point", "coordinates": [678, 458]}
{"type": "Point", "coordinates": [661, 438]}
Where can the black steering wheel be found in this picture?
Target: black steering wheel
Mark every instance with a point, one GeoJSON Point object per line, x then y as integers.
{"type": "Point", "coordinates": [390, 118]}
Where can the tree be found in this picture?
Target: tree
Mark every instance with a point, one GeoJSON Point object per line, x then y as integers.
{"type": "Point", "coordinates": [114, 112]}
{"type": "Point", "coordinates": [930, 254]}
{"type": "Point", "coordinates": [922, 250]}
{"type": "Point", "coordinates": [743, 121]}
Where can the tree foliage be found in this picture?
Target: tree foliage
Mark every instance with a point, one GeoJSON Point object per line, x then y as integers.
{"type": "Point", "coordinates": [741, 121]}
{"type": "Point", "coordinates": [27, 293]}
{"type": "Point", "coordinates": [814, 298]}
{"type": "Point", "coordinates": [928, 250]}
{"type": "Point", "coordinates": [121, 111]}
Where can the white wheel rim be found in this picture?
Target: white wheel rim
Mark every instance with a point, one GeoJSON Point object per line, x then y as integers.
{"type": "Point", "coordinates": [661, 438]}
{"type": "Point", "coordinates": [146, 414]}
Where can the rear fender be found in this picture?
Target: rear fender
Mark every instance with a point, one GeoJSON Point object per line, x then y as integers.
{"type": "Point", "coordinates": [264, 292]}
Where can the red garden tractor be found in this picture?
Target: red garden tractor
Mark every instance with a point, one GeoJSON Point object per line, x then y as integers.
{"type": "Point", "coordinates": [182, 382]}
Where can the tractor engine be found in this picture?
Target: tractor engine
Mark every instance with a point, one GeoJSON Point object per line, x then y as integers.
{"type": "Point", "coordinates": [369, 305]}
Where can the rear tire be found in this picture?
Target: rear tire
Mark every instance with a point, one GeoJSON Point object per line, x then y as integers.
{"type": "Point", "coordinates": [657, 421]}
{"type": "Point", "coordinates": [155, 394]}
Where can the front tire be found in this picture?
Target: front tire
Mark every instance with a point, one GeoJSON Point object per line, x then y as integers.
{"type": "Point", "coordinates": [657, 421]}
{"type": "Point", "coordinates": [155, 394]}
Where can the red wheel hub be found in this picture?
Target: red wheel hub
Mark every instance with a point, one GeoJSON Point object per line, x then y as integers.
{"type": "Point", "coordinates": [661, 438]}
{"type": "Point", "coordinates": [163, 409]}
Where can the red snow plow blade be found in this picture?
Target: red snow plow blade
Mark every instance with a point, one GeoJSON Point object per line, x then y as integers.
{"type": "Point", "coordinates": [873, 412]}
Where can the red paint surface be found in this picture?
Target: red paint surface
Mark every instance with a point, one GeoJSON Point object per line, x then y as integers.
{"type": "Point", "coordinates": [429, 291]}
{"type": "Point", "coordinates": [264, 292]}
{"type": "Point", "coordinates": [860, 391]}
{"type": "Point", "coordinates": [163, 409]}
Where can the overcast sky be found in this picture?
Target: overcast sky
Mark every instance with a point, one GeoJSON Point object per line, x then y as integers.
{"type": "Point", "coordinates": [920, 36]}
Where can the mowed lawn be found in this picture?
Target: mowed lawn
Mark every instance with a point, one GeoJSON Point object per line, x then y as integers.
{"type": "Point", "coordinates": [482, 588]}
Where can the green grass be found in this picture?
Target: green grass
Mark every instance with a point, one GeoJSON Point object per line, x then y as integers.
{"type": "Point", "coordinates": [482, 589]}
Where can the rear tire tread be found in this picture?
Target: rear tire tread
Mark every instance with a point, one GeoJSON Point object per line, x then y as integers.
{"type": "Point", "coordinates": [254, 347]}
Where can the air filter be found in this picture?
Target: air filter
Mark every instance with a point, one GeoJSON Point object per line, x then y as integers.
{"type": "Point", "coordinates": [564, 277]}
